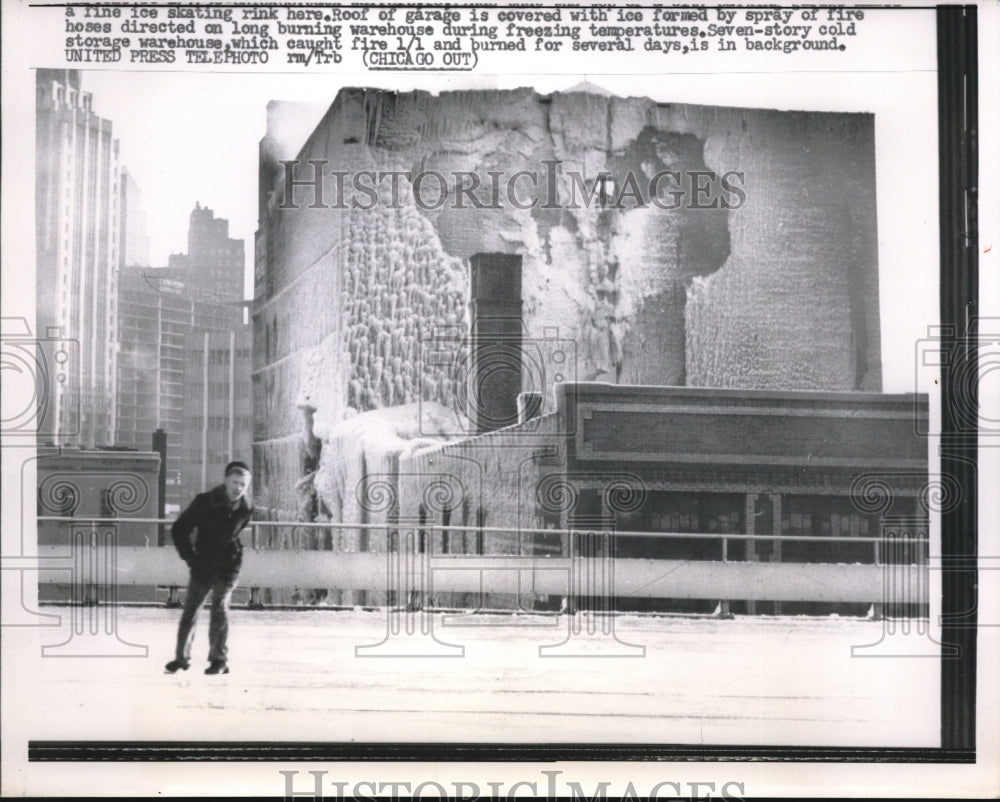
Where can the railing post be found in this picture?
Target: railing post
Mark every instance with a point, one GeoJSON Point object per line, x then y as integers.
{"type": "Point", "coordinates": [776, 555]}
{"type": "Point", "coordinates": [878, 610]}
{"type": "Point", "coordinates": [724, 603]}
{"type": "Point", "coordinates": [750, 545]}
{"type": "Point", "coordinates": [574, 545]}
{"type": "Point", "coordinates": [417, 597]}
{"type": "Point", "coordinates": [254, 603]}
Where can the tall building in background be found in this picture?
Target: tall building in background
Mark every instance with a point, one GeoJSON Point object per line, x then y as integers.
{"type": "Point", "coordinates": [172, 328]}
{"type": "Point", "coordinates": [214, 263]}
{"type": "Point", "coordinates": [77, 253]}
{"type": "Point", "coordinates": [216, 406]}
{"type": "Point", "coordinates": [133, 248]}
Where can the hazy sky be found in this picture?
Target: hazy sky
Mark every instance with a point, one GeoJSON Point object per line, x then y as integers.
{"type": "Point", "coordinates": [190, 137]}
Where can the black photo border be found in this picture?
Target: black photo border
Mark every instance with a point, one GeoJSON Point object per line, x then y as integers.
{"type": "Point", "coordinates": [957, 60]}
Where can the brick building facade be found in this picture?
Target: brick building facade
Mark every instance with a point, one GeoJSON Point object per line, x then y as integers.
{"type": "Point", "coordinates": [779, 292]}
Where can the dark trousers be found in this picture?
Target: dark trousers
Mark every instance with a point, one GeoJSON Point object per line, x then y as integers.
{"type": "Point", "coordinates": [220, 585]}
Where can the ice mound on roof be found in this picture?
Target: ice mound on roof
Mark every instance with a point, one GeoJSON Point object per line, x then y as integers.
{"type": "Point", "coordinates": [355, 480]}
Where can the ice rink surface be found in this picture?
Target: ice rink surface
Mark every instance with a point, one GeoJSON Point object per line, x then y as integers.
{"type": "Point", "coordinates": [296, 676]}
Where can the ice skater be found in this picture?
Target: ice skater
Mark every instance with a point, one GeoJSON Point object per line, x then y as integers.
{"type": "Point", "coordinates": [219, 515]}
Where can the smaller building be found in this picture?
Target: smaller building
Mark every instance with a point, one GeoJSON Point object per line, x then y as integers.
{"type": "Point", "coordinates": [214, 264]}
{"type": "Point", "coordinates": [164, 325]}
{"type": "Point", "coordinates": [528, 462]}
{"type": "Point", "coordinates": [826, 467]}
{"type": "Point", "coordinates": [96, 484]}
{"type": "Point", "coordinates": [184, 357]}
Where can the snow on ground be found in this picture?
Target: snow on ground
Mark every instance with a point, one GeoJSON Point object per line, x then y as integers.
{"type": "Point", "coordinates": [750, 680]}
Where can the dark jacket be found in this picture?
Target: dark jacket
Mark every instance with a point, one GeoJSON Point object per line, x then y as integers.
{"type": "Point", "coordinates": [217, 547]}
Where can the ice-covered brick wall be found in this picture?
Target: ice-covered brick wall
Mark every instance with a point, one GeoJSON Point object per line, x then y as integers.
{"type": "Point", "coordinates": [399, 287]}
{"type": "Point", "coordinates": [345, 298]}
{"type": "Point", "coordinates": [483, 484]}
{"type": "Point", "coordinates": [780, 291]}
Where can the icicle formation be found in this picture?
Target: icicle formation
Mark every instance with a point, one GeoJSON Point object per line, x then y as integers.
{"type": "Point", "coordinates": [400, 289]}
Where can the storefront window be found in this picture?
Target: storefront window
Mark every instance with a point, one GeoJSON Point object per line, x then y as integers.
{"type": "Point", "coordinates": [665, 511]}
{"type": "Point", "coordinates": [831, 523]}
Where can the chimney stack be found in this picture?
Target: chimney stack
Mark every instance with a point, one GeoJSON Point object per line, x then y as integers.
{"type": "Point", "coordinates": [496, 353]}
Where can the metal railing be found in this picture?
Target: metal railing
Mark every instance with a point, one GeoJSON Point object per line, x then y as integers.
{"type": "Point", "coordinates": [581, 550]}
{"type": "Point", "coordinates": [254, 528]}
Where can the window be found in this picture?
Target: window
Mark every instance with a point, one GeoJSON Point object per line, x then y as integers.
{"type": "Point", "coordinates": [712, 513]}
{"type": "Point", "coordinates": [827, 519]}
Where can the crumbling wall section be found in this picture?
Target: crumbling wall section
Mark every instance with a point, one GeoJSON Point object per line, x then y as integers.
{"type": "Point", "coordinates": [796, 304]}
